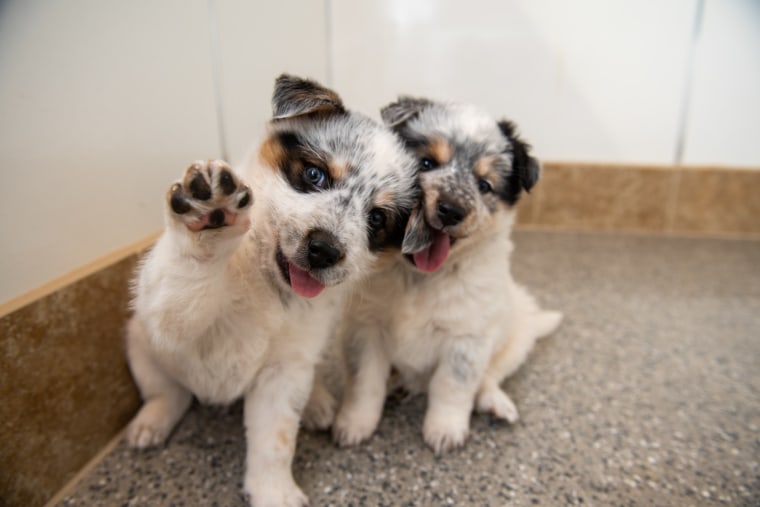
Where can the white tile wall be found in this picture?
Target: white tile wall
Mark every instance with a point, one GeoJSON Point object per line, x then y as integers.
{"type": "Point", "coordinates": [257, 42]}
{"type": "Point", "coordinates": [587, 80]}
{"type": "Point", "coordinates": [724, 119]}
{"type": "Point", "coordinates": [102, 106]}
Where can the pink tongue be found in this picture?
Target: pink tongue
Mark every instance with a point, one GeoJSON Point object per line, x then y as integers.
{"type": "Point", "coordinates": [433, 256]}
{"type": "Point", "coordinates": [303, 283]}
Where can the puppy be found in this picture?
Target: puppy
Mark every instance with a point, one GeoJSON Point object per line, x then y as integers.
{"type": "Point", "coordinates": [241, 292]}
{"type": "Point", "coordinates": [447, 316]}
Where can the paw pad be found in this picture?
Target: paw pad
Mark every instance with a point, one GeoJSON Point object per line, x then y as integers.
{"type": "Point", "coordinates": [210, 196]}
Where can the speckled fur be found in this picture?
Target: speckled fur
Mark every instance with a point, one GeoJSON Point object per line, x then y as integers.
{"type": "Point", "coordinates": [214, 315]}
{"type": "Point", "coordinates": [458, 332]}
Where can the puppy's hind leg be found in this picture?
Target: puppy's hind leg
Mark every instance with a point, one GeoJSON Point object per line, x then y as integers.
{"type": "Point", "coordinates": [320, 409]}
{"type": "Point", "coordinates": [529, 324]}
{"type": "Point", "coordinates": [491, 399]}
{"type": "Point", "coordinates": [165, 401]}
{"type": "Point", "coordinates": [505, 361]}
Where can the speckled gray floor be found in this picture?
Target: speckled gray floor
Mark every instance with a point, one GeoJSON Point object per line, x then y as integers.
{"type": "Point", "coordinates": [649, 394]}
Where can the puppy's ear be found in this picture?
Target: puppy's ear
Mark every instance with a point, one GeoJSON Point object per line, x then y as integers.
{"type": "Point", "coordinates": [294, 96]}
{"type": "Point", "coordinates": [404, 109]}
{"type": "Point", "coordinates": [417, 235]}
{"type": "Point", "coordinates": [526, 169]}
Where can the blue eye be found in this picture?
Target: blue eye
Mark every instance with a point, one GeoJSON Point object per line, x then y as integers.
{"type": "Point", "coordinates": [485, 186]}
{"type": "Point", "coordinates": [428, 164]}
{"type": "Point", "coordinates": [315, 176]}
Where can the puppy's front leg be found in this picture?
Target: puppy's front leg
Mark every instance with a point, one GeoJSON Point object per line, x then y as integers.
{"type": "Point", "coordinates": [368, 367]}
{"type": "Point", "coordinates": [320, 409]}
{"type": "Point", "coordinates": [183, 286]}
{"type": "Point", "coordinates": [452, 393]}
{"type": "Point", "coordinates": [272, 413]}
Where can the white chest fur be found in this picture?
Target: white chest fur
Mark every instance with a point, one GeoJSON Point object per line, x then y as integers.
{"type": "Point", "coordinates": [213, 333]}
{"type": "Point", "coordinates": [467, 299]}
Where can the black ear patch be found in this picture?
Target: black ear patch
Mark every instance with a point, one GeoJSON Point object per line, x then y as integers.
{"type": "Point", "coordinates": [404, 109]}
{"type": "Point", "coordinates": [295, 96]}
{"type": "Point", "coordinates": [525, 169]}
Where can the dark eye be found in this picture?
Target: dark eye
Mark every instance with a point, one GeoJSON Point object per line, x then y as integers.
{"type": "Point", "coordinates": [485, 186]}
{"type": "Point", "coordinates": [428, 164]}
{"type": "Point", "coordinates": [315, 176]}
{"type": "Point", "coordinates": [376, 219]}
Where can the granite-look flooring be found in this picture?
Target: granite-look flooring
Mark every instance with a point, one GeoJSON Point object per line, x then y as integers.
{"type": "Point", "coordinates": [649, 394]}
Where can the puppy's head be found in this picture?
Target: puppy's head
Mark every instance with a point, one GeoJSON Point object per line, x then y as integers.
{"type": "Point", "coordinates": [472, 171]}
{"type": "Point", "coordinates": [334, 187]}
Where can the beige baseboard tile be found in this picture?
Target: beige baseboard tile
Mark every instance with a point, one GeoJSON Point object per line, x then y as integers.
{"type": "Point", "coordinates": [714, 200]}
{"type": "Point", "coordinates": [64, 382]}
{"type": "Point", "coordinates": [655, 199]}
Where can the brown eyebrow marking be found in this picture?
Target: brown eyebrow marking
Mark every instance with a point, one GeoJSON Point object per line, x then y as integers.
{"type": "Point", "coordinates": [484, 168]}
{"type": "Point", "coordinates": [441, 150]}
{"type": "Point", "coordinates": [384, 199]}
{"type": "Point", "coordinates": [337, 170]}
{"type": "Point", "coordinates": [282, 152]}
{"type": "Point", "coordinates": [272, 153]}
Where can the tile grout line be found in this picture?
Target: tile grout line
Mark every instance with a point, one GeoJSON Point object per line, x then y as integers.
{"type": "Point", "coordinates": [216, 65]}
{"type": "Point", "coordinates": [329, 47]}
{"type": "Point", "coordinates": [688, 84]}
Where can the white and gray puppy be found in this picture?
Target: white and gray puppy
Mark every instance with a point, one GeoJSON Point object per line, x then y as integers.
{"type": "Point", "coordinates": [242, 290]}
{"type": "Point", "coordinates": [448, 315]}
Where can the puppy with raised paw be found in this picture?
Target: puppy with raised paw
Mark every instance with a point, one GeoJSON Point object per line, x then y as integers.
{"type": "Point", "coordinates": [241, 292]}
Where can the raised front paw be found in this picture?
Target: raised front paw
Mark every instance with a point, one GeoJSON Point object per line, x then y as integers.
{"type": "Point", "coordinates": [210, 196]}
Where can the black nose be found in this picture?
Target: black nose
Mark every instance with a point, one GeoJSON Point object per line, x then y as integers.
{"type": "Point", "coordinates": [450, 213]}
{"type": "Point", "coordinates": [324, 250]}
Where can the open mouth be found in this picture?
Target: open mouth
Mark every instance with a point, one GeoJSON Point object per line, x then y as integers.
{"type": "Point", "coordinates": [433, 257]}
{"type": "Point", "coordinates": [299, 280]}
